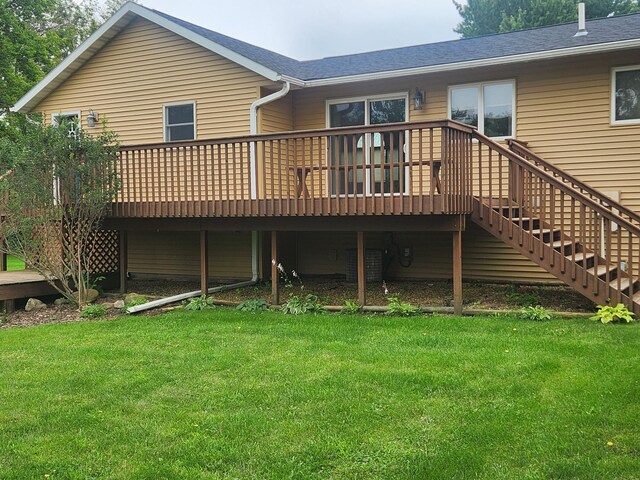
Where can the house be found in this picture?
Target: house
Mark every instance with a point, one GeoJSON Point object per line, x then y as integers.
{"type": "Point", "coordinates": [511, 157]}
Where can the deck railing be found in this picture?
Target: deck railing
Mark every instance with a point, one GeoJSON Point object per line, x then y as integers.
{"type": "Point", "coordinates": [570, 227]}
{"type": "Point", "coordinates": [403, 168]}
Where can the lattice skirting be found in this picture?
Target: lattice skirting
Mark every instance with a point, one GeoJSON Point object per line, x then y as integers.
{"type": "Point", "coordinates": [104, 252]}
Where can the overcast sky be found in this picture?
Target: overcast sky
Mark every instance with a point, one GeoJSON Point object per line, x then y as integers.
{"type": "Point", "coordinates": [305, 29]}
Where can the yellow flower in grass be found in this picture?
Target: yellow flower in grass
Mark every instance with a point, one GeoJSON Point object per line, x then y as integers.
{"type": "Point", "coordinates": [609, 444]}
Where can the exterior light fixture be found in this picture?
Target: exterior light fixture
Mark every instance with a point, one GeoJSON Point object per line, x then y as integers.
{"type": "Point", "coordinates": [418, 100]}
{"type": "Point", "coordinates": [92, 118]}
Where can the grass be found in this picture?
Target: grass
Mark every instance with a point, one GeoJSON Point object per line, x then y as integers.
{"type": "Point", "coordinates": [227, 394]}
{"type": "Point", "coordinates": [14, 263]}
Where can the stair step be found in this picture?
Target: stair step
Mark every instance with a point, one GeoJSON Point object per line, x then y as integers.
{"type": "Point", "coordinates": [624, 283]}
{"type": "Point", "coordinates": [601, 270]}
{"type": "Point", "coordinates": [580, 257]}
{"type": "Point", "coordinates": [563, 243]}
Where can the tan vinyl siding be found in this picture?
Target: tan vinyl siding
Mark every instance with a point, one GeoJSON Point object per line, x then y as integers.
{"type": "Point", "coordinates": [178, 254]}
{"type": "Point", "coordinates": [562, 110]}
{"type": "Point", "coordinates": [482, 257]}
{"type": "Point", "coordinates": [146, 66]}
{"type": "Point", "coordinates": [274, 117]}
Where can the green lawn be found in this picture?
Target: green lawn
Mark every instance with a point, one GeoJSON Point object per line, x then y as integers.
{"type": "Point", "coordinates": [14, 263]}
{"type": "Point", "coordinates": [224, 394]}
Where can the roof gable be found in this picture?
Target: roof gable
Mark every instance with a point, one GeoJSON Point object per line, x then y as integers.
{"type": "Point", "coordinates": [120, 20]}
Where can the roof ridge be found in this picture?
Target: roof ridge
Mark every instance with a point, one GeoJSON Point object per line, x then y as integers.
{"type": "Point", "coordinates": [233, 39]}
{"type": "Point", "coordinates": [462, 39]}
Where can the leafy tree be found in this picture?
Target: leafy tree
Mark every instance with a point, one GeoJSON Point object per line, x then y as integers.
{"type": "Point", "coordinates": [483, 17]}
{"type": "Point", "coordinates": [36, 35]}
{"type": "Point", "coordinates": [55, 188]}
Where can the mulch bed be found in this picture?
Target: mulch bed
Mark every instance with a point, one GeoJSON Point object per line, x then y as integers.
{"type": "Point", "coordinates": [332, 291]}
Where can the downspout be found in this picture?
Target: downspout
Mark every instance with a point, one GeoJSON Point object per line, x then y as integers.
{"type": "Point", "coordinates": [253, 130]}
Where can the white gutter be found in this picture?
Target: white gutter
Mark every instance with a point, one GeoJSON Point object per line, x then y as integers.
{"type": "Point", "coordinates": [253, 130]}
{"type": "Point", "coordinates": [184, 296]}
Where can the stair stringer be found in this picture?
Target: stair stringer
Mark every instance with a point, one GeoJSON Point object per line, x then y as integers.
{"type": "Point", "coordinates": [545, 256]}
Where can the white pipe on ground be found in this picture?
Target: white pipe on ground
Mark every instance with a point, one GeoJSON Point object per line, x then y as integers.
{"type": "Point", "coordinates": [184, 296]}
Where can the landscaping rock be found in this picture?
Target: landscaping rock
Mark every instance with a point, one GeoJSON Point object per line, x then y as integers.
{"type": "Point", "coordinates": [34, 304]}
{"type": "Point", "coordinates": [134, 298]}
{"type": "Point", "coordinates": [61, 301]}
{"type": "Point", "coordinates": [91, 295]}
{"type": "Point", "coordinates": [118, 304]}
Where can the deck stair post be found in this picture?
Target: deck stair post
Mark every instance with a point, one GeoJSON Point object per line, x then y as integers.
{"type": "Point", "coordinates": [574, 232]}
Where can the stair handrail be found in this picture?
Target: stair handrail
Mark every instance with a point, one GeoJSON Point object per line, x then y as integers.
{"type": "Point", "coordinates": [579, 196]}
{"type": "Point", "coordinates": [524, 152]}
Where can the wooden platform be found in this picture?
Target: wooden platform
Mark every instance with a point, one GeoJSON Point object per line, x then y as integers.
{"type": "Point", "coordinates": [22, 284]}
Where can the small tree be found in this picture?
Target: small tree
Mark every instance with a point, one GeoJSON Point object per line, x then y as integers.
{"type": "Point", "coordinates": [55, 189]}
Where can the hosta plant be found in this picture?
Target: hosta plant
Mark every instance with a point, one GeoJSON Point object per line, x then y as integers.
{"type": "Point", "coordinates": [609, 314]}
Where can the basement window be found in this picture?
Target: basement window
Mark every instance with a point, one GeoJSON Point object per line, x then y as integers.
{"type": "Point", "coordinates": [487, 106]}
{"type": "Point", "coordinates": [625, 95]}
{"type": "Point", "coordinates": [179, 122]}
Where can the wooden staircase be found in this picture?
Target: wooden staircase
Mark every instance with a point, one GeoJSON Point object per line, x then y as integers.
{"type": "Point", "coordinates": [571, 230]}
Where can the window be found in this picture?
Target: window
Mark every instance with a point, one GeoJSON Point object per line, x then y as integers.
{"type": "Point", "coordinates": [625, 95]}
{"type": "Point", "coordinates": [487, 106]}
{"type": "Point", "coordinates": [348, 153]}
{"type": "Point", "coordinates": [70, 119]}
{"type": "Point", "coordinates": [180, 122]}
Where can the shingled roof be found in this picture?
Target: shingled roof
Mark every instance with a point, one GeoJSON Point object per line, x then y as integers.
{"type": "Point", "coordinates": [542, 39]}
{"type": "Point", "coordinates": [606, 34]}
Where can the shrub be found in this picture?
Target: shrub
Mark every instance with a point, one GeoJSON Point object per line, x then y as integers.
{"type": "Point", "coordinates": [298, 305]}
{"type": "Point", "coordinates": [537, 313]}
{"type": "Point", "coordinates": [94, 311]}
{"type": "Point", "coordinates": [404, 309]}
{"type": "Point", "coordinates": [609, 314]}
{"type": "Point", "coordinates": [257, 305]}
{"type": "Point", "coordinates": [199, 303]}
{"type": "Point", "coordinates": [351, 307]}
{"type": "Point", "coordinates": [95, 282]}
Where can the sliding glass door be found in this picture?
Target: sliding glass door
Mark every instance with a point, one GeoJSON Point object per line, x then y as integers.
{"type": "Point", "coordinates": [367, 163]}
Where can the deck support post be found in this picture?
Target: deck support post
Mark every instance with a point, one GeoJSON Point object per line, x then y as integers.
{"type": "Point", "coordinates": [275, 275]}
{"type": "Point", "coordinates": [204, 262]}
{"type": "Point", "coordinates": [123, 260]}
{"type": "Point", "coordinates": [362, 278]}
{"type": "Point", "coordinates": [457, 270]}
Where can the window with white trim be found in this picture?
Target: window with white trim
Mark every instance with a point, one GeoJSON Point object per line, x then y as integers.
{"type": "Point", "coordinates": [70, 120]}
{"type": "Point", "coordinates": [180, 122]}
{"type": "Point", "coordinates": [625, 95]}
{"type": "Point", "coordinates": [489, 106]}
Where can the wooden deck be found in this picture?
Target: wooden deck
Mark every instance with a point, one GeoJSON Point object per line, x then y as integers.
{"type": "Point", "coordinates": [22, 284]}
{"type": "Point", "coordinates": [394, 169]}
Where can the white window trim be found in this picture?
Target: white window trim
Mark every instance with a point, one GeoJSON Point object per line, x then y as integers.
{"type": "Point", "coordinates": [164, 120]}
{"type": "Point", "coordinates": [364, 98]}
{"type": "Point", "coordinates": [367, 119]}
{"type": "Point", "coordinates": [614, 122]}
{"type": "Point", "coordinates": [480, 86]}
{"type": "Point", "coordinates": [56, 115]}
